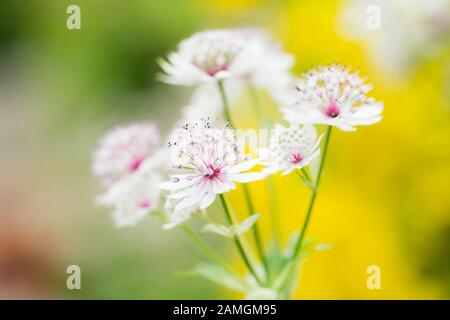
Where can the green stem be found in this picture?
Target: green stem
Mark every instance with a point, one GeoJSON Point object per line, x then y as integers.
{"type": "Point", "coordinates": [273, 212]}
{"type": "Point", "coordinates": [209, 252]}
{"type": "Point", "coordinates": [259, 246]}
{"type": "Point", "coordinates": [270, 181]}
{"type": "Point", "coordinates": [297, 250]}
{"type": "Point", "coordinates": [226, 108]}
{"type": "Point", "coordinates": [307, 176]}
{"type": "Point", "coordinates": [227, 115]}
{"type": "Point", "coordinates": [237, 241]}
{"type": "Point", "coordinates": [313, 196]}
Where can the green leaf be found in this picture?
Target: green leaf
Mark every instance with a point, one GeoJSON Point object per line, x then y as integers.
{"type": "Point", "coordinates": [286, 274]}
{"type": "Point", "coordinates": [231, 231]}
{"type": "Point", "coordinates": [220, 276]}
{"type": "Point", "coordinates": [219, 229]}
{"type": "Point", "coordinates": [306, 245]}
{"type": "Point", "coordinates": [245, 225]}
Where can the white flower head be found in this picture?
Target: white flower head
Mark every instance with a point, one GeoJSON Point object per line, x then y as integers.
{"type": "Point", "coordinates": [213, 55]}
{"type": "Point", "coordinates": [134, 196]}
{"type": "Point", "coordinates": [332, 95]}
{"type": "Point", "coordinates": [122, 151]}
{"type": "Point", "coordinates": [290, 148]}
{"type": "Point", "coordinates": [207, 161]}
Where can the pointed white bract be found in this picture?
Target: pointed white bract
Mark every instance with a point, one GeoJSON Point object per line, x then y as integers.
{"type": "Point", "coordinates": [207, 161]}
{"type": "Point", "coordinates": [333, 96]}
{"type": "Point", "coordinates": [248, 54]}
{"type": "Point", "coordinates": [175, 217]}
{"type": "Point", "coordinates": [122, 151]}
{"type": "Point", "coordinates": [290, 148]}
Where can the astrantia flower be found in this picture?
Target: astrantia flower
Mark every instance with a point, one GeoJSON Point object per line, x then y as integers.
{"type": "Point", "coordinates": [290, 148]}
{"type": "Point", "coordinates": [332, 95]}
{"type": "Point", "coordinates": [123, 150]}
{"type": "Point", "coordinates": [135, 195]}
{"type": "Point", "coordinates": [207, 161]}
{"type": "Point", "coordinates": [214, 55]}
{"type": "Point", "coordinates": [204, 57]}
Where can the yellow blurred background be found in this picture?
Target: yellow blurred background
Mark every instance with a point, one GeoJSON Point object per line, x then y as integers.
{"type": "Point", "coordinates": [384, 198]}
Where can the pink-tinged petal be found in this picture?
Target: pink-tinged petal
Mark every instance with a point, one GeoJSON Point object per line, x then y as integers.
{"type": "Point", "coordinates": [338, 94]}
{"type": "Point", "coordinates": [341, 124]}
{"type": "Point", "coordinates": [176, 184]}
{"type": "Point", "coordinates": [272, 169]}
{"type": "Point", "coordinates": [219, 187]}
{"type": "Point", "coordinates": [332, 110]}
{"type": "Point", "coordinates": [289, 170]}
{"type": "Point", "coordinates": [183, 193]}
{"type": "Point", "coordinates": [144, 204]}
{"type": "Point", "coordinates": [368, 111]}
{"type": "Point", "coordinates": [364, 122]}
{"type": "Point", "coordinates": [365, 115]}
{"type": "Point", "coordinates": [207, 200]}
{"type": "Point", "coordinates": [193, 199]}
{"type": "Point", "coordinates": [243, 166]}
{"type": "Point", "coordinates": [136, 163]}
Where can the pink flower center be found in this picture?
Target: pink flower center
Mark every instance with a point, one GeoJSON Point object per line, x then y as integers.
{"type": "Point", "coordinates": [144, 204]}
{"type": "Point", "coordinates": [136, 163]}
{"type": "Point", "coordinates": [297, 158]}
{"type": "Point", "coordinates": [216, 69]}
{"type": "Point", "coordinates": [212, 172]}
{"type": "Point", "coordinates": [333, 110]}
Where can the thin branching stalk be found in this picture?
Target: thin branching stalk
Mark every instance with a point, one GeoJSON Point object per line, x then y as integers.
{"type": "Point", "coordinates": [250, 206]}
{"type": "Point", "coordinates": [205, 248]}
{"type": "Point", "coordinates": [225, 105]}
{"type": "Point", "coordinates": [237, 241]}
{"type": "Point", "coordinates": [270, 181]}
{"type": "Point", "coordinates": [259, 246]}
{"type": "Point", "coordinates": [306, 174]}
{"type": "Point", "coordinates": [312, 201]}
{"type": "Point", "coordinates": [257, 105]}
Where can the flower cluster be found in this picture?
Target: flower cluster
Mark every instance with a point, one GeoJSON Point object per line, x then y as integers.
{"type": "Point", "coordinates": [333, 96]}
{"type": "Point", "coordinates": [204, 159]}
{"type": "Point", "coordinates": [208, 161]}
{"type": "Point", "coordinates": [290, 148]}
{"type": "Point", "coordinates": [243, 56]}
{"type": "Point", "coordinates": [214, 55]}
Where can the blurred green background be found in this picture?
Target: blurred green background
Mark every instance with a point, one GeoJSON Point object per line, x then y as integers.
{"type": "Point", "coordinates": [385, 193]}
